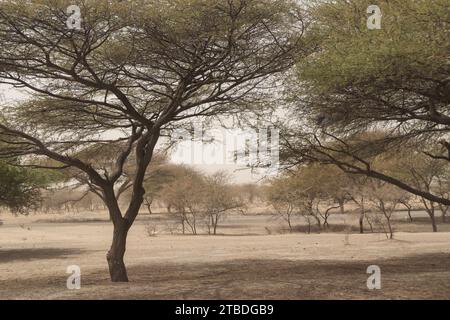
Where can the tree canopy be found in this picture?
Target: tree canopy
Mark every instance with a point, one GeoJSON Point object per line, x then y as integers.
{"type": "Point", "coordinates": [20, 188]}
{"type": "Point", "coordinates": [365, 93]}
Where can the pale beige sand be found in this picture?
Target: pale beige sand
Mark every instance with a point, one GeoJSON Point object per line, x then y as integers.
{"type": "Point", "coordinates": [34, 258]}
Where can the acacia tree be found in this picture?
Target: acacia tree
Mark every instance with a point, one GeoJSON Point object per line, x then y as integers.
{"type": "Point", "coordinates": [309, 191]}
{"type": "Point", "coordinates": [360, 81]}
{"type": "Point", "coordinates": [218, 199]}
{"type": "Point", "coordinates": [326, 188]}
{"type": "Point", "coordinates": [358, 195]}
{"type": "Point", "coordinates": [133, 75]}
{"type": "Point", "coordinates": [385, 199]}
{"type": "Point", "coordinates": [284, 194]}
{"type": "Point", "coordinates": [184, 195]}
{"type": "Point", "coordinates": [424, 174]}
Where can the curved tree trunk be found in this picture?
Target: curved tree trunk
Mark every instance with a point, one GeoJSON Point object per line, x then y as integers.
{"type": "Point", "coordinates": [361, 222]}
{"type": "Point", "coordinates": [327, 215]}
{"type": "Point", "coordinates": [370, 224]}
{"type": "Point", "coordinates": [148, 204]}
{"type": "Point", "coordinates": [362, 216]}
{"type": "Point", "coordinates": [122, 224]}
{"type": "Point", "coordinates": [443, 210]}
{"type": "Point", "coordinates": [144, 152]}
{"type": "Point", "coordinates": [433, 222]}
{"type": "Point", "coordinates": [409, 215]}
{"type": "Point", "coordinates": [341, 205]}
{"type": "Point", "coordinates": [409, 208]}
{"type": "Point", "coordinates": [430, 209]}
{"type": "Point", "coordinates": [288, 219]}
{"type": "Point", "coordinates": [391, 231]}
{"type": "Point", "coordinates": [115, 255]}
{"type": "Point", "coordinates": [319, 223]}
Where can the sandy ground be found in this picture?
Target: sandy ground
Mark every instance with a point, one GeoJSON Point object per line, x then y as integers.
{"type": "Point", "coordinates": [35, 253]}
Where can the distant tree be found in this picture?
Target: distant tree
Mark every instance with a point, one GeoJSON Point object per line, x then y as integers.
{"type": "Point", "coordinates": [285, 196]}
{"type": "Point", "coordinates": [385, 199]}
{"type": "Point", "coordinates": [184, 195]}
{"type": "Point", "coordinates": [327, 190]}
{"type": "Point", "coordinates": [309, 191]}
{"type": "Point", "coordinates": [421, 172]}
{"type": "Point", "coordinates": [20, 188]}
{"type": "Point", "coordinates": [359, 196]}
{"type": "Point", "coordinates": [406, 202]}
{"type": "Point", "coordinates": [249, 192]}
{"type": "Point", "coordinates": [219, 199]}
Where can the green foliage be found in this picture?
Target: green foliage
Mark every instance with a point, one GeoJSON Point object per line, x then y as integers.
{"type": "Point", "coordinates": [20, 188]}
{"type": "Point", "coordinates": [413, 42]}
{"type": "Point", "coordinates": [365, 95]}
{"type": "Point", "coordinates": [359, 76]}
{"type": "Point", "coordinates": [308, 183]}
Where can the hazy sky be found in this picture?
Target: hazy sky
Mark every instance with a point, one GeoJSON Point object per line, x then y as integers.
{"type": "Point", "coordinates": [187, 152]}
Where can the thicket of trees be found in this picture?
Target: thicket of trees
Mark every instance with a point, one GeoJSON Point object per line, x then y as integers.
{"type": "Point", "coordinates": [200, 200]}
{"type": "Point", "coordinates": [312, 192]}
{"type": "Point", "coordinates": [192, 198]}
{"type": "Point", "coordinates": [316, 191]}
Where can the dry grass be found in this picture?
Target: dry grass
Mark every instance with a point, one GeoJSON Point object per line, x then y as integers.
{"type": "Point", "coordinates": [34, 257]}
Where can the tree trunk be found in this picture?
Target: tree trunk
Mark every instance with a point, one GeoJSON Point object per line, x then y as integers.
{"type": "Point", "coordinates": [361, 222]}
{"type": "Point", "coordinates": [391, 232]}
{"type": "Point", "coordinates": [319, 223]}
{"type": "Point", "coordinates": [289, 222]}
{"type": "Point", "coordinates": [369, 223]}
{"type": "Point", "coordinates": [194, 226]}
{"type": "Point", "coordinates": [361, 217]}
{"type": "Point", "coordinates": [122, 223]}
{"type": "Point", "coordinates": [341, 205]}
{"type": "Point", "coordinates": [433, 222]}
{"type": "Point", "coordinates": [409, 208]}
{"type": "Point", "coordinates": [216, 220]}
{"type": "Point", "coordinates": [209, 224]}
{"type": "Point", "coordinates": [409, 215]}
{"type": "Point", "coordinates": [431, 212]}
{"type": "Point", "coordinates": [148, 204]}
{"type": "Point", "coordinates": [117, 269]}
{"type": "Point", "coordinates": [443, 213]}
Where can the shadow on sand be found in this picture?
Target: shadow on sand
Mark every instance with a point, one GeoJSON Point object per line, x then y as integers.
{"type": "Point", "coordinates": [8, 255]}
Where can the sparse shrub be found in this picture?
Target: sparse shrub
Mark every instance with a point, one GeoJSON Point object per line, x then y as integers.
{"type": "Point", "coordinates": [172, 227]}
{"type": "Point", "coordinates": [151, 230]}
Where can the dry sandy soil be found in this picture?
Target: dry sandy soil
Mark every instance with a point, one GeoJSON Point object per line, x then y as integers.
{"type": "Point", "coordinates": [35, 252]}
